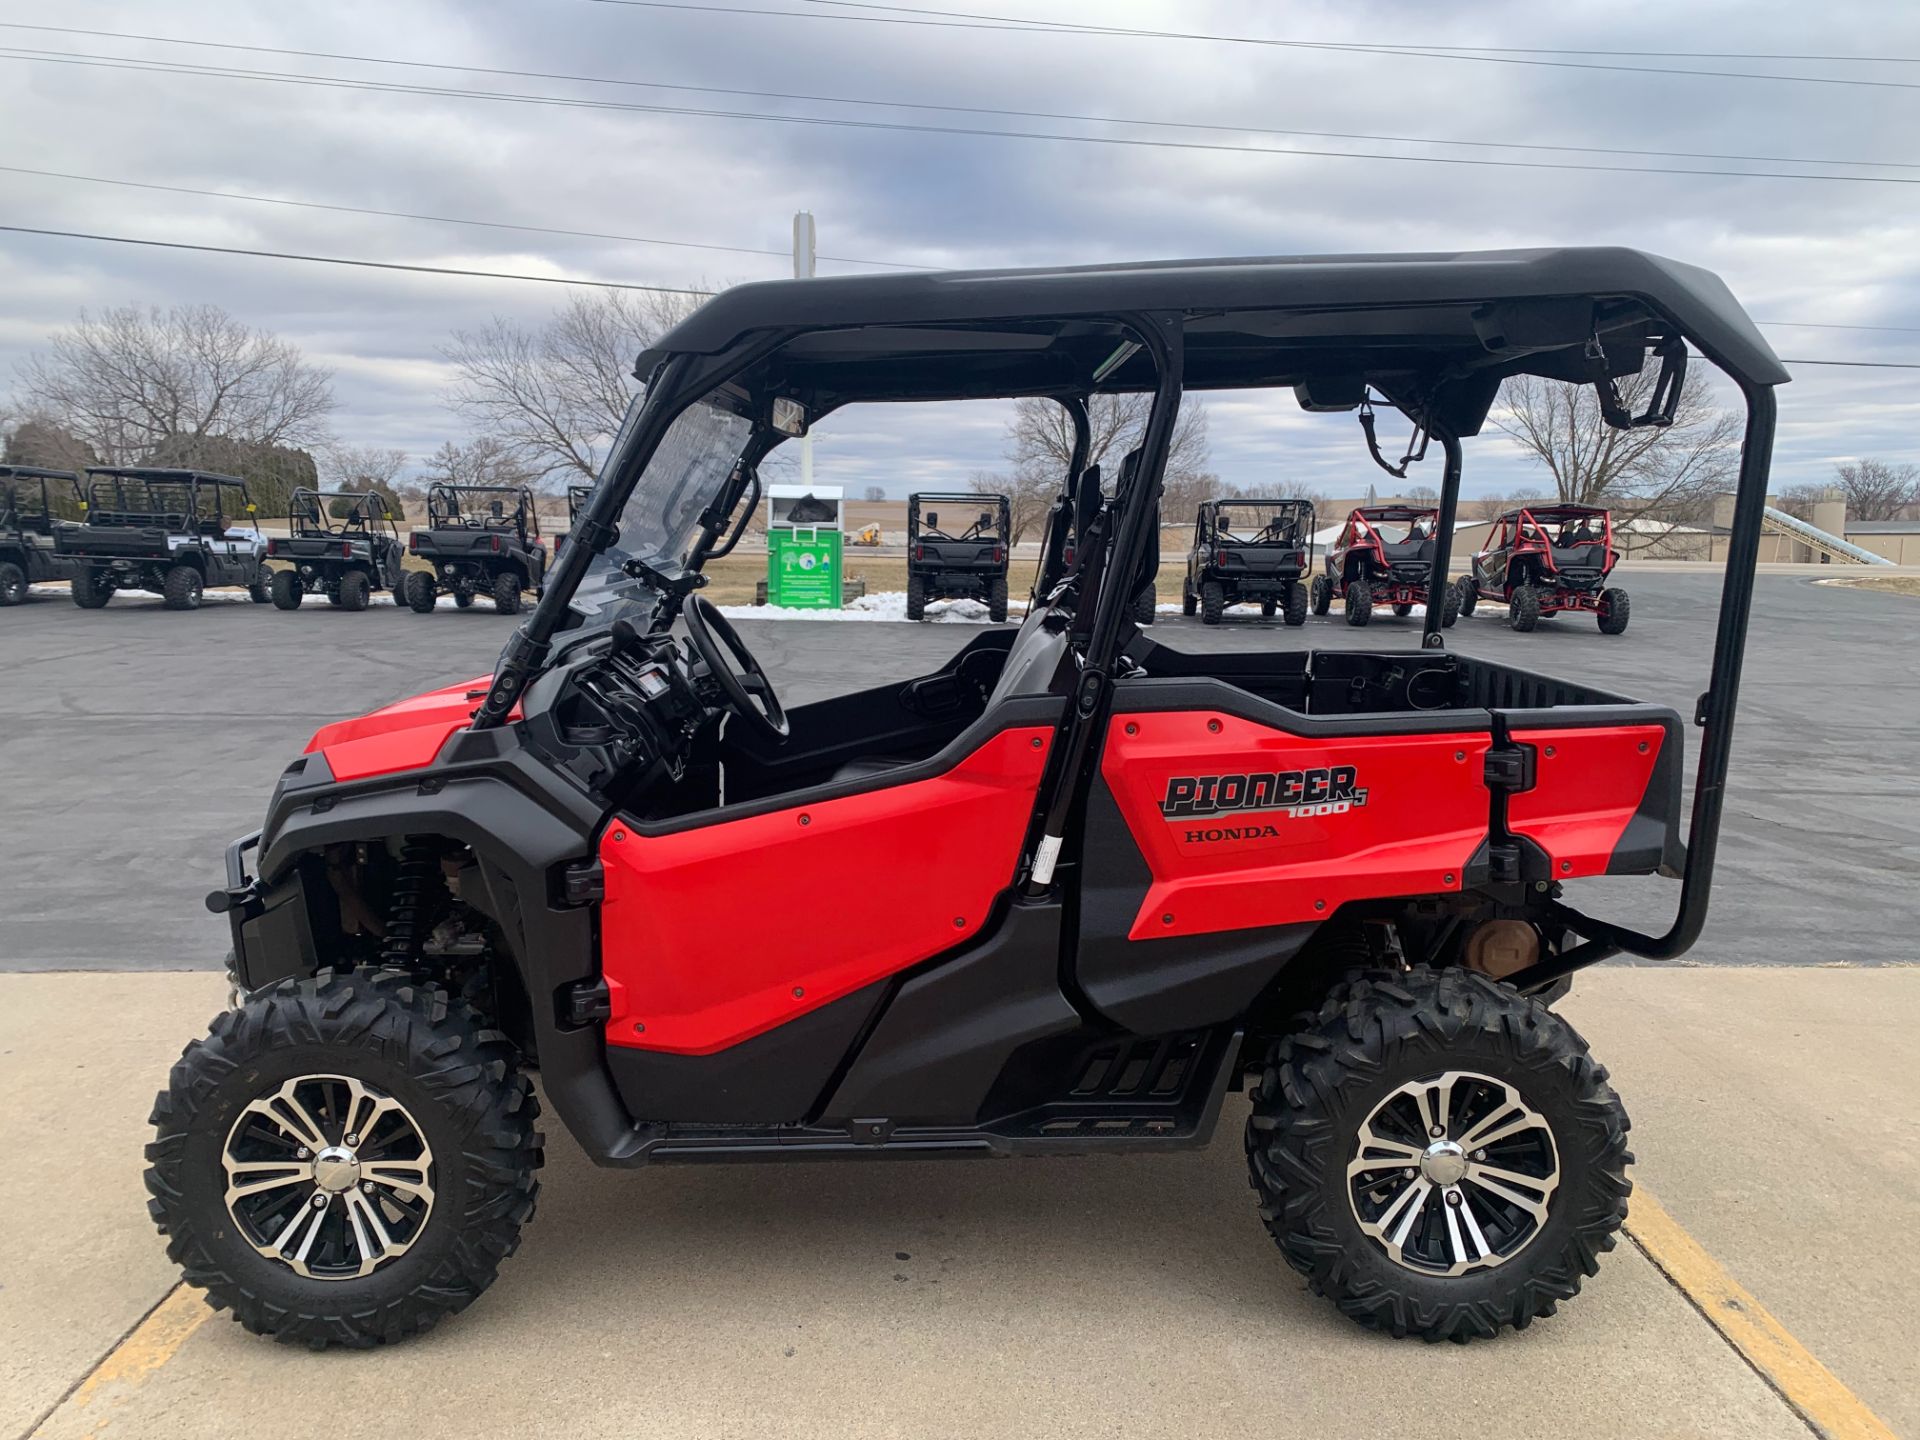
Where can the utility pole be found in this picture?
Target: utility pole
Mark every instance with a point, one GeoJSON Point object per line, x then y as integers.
{"type": "Point", "coordinates": [803, 245]}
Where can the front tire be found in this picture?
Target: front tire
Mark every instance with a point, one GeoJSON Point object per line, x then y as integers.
{"type": "Point", "coordinates": [1449, 606]}
{"type": "Point", "coordinates": [1189, 603]}
{"type": "Point", "coordinates": [13, 584]}
{"type": "Point", "coordinates": [180, 588]}
{"type": "Point", "coordinates": [417, 1206]}
{"type": "Point", "coordinates": [997, 602]}
{"type": "Point", "coordinates": [355, 591]}
{"type": "Point", "coordinates": [1332, 1140]}
{"type": "Point", "coordinates": [1469, 593]}
{"type": "Point", "coordinates": [916, 598]}
{"type": "Point", "coordinates": [260, 588]}
{"type": "Point", "coordinates": [506, 594]}
{"type": "Point", "coordinates": [1403, 608]}
{"type": "Point", "coordinates": [288, 589]}
{"type": "Point", "coordinates": [1615, 611]}
{"type": "Point", "coordinates": [1322, 595]}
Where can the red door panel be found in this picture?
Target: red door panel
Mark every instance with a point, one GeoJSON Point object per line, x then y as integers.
{"type": "Point", "coordinates": [1243, 825]}
{"type": "Point", "coordinates": [711, 936]}
{"type": "Point", "coordinates": [1587, 785]}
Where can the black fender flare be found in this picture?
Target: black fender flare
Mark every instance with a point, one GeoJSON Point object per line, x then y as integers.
{"type": "Point", "coordinates": [524, 826]}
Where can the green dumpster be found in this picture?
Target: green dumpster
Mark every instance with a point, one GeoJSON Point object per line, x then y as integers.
{"type": "Point", "coordinates": [803, 546]}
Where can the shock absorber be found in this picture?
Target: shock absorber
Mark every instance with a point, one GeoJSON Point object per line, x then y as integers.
{"type": "Point", "coordinates": [407, 905]}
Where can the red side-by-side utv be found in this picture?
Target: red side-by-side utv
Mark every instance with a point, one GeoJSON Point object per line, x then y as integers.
{"type": "Point", "coordinates": [1124, 881]}
{"type": "Point", "coordinates": [1543, 560]}
{"type": "Point", "coordinates": [1383, 555]}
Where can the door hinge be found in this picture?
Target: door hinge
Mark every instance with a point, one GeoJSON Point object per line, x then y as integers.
{"type": "Point", "coordinates": [586, 882]}
{"type": "Point", "coordinates": [1510, 767]}
{"type": "Point", "coordinates": [588, 1002]}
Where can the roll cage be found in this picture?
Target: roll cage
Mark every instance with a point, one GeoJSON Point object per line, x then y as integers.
{"type": "Point", "coordinates": [1541, 530]}
{"type": "Point", "coordinates": [994, 522]}
{"type": "Point", "coordinates": [1291, 523]}
{"type": "Point", "coordinates": [369, 515]}
{"type": "Point", "coordinates": [500, 507]}
{"type": "Point", "coordinates": [179, 501]}
{"type": "Point", "coordinates": [21, 486]}
{"type": "Point", "coordinates": [1433, 335]}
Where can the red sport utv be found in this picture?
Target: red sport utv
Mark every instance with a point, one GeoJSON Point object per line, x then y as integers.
{"type": "Point", "coordinates": [1541, 560]}
{"type": "Point", "coordinates": [1384, 555]}
{"type": "Point", "coordinates": [1123, 881]}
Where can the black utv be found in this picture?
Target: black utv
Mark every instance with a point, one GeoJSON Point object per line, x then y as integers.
{"type": "Point", "coordinates": [479, 540]}
{"type": "Point", "coordinates": [176, 533]}
{"type": "Point", "coordinates": [969, 563]}
{"type": "Point", "coordinates": [27, 501]}
{"type": "Point", "coordinates": [344, 543]}
{"type": "Point", "coordinates": [1249, 552]}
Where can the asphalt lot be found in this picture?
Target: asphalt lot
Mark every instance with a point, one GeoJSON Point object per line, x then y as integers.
{"type": "Point", "coordinates": [136, 742]}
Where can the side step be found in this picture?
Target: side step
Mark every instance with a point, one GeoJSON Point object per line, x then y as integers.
{"type": "Point", "coordinates": [1124, 1093]}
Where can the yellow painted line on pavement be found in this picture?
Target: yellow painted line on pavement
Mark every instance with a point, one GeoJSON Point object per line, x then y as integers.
{"type": "Point", "coordinates": [1814, 1392]}
{"type": "Point", "coordinates": [131, 1363]}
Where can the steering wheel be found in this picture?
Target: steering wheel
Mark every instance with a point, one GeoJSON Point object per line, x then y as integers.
{"type": "Point", "coordinates": [743, 684]}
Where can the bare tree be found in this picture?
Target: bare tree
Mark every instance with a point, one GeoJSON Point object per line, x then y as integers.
{"type": "Point", "coordinates": [1875, 490]}
{"type": "Point", "coordinates": [1669, 472]}
{"type": "Point", "coordinates": [555, 395]}
{"type": "Point", "coordinates": [1040, 445]}
{"type": "Point", "coordinates": [874, 493]}
{"type": "Point", "coordinates": [1799, 500]}
{"type": "Point", "coordinates": [128, 381]}
{"type": "Point", "coordinates": [34, 440]}
{"type": "Point", "coordinates": [483, 460]}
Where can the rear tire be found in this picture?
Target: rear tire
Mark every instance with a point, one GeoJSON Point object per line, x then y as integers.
{"type": "Point", "coordinates": [1449, 606]}
{"type": "Point", "coordinates": [1359, 602]}
{"type": "Point", "coordinates": [1469, 593]}
{"type": "Point", "coordinates": [1145, 606]}
{"type": "Point", "coordinates": [421, 592]}
{"type": "Point", "coordinates": [1297, 603]}
{"type": "Point", "coordinates": [288, 589]}
{"type": "Point", "coordinates": [181, 588]}
{"type": "Point", "coordinates": [1189, 603]}
{"type": "Point", "coordinates": [506, 594]}
{"type": "Point", "coordinates": [13, 584]}
{"type": "Point", "coordinates": [354, 591]}
{"type": "Point", "coordinates": [259, 589]}
{"type": "Point", "coordinates": [916, 598]}
{"type": "Point", "coordinates": [997, 600]}
{"type": "Point", "coordinates": [1523, 608]}
{"type": "Point", "coordinates": [1345, 1084]}
{"type": "Point", "coordinates": [1615, 611]}
{"type": "Point", "coordinates": [91, 589]}
{"type": "Point", "coordinates": [1213, 603]}
{"type": "Point", "coordinates": [1321, 595]}
{"type": "Point", "coordinates": [452, 1093]}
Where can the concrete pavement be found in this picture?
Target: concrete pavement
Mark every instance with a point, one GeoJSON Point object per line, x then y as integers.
{"type": "Point", "coordinates": [1775, 1115]}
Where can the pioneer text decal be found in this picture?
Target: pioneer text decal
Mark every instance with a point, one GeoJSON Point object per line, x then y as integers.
{"type": "Point", "coordinates": [1332, 790]}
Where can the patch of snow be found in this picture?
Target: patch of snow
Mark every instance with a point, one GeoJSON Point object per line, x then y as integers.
{"type": "Point", "coordinates": [882, 605]}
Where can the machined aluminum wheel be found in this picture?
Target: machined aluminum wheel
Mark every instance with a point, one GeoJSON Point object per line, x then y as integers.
{"type": "Point", "coordinates": [329, 1176]}
{"type": "Point", "coordinates": [1453, 1173]}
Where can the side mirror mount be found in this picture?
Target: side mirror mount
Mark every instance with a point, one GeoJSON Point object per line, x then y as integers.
{"type": "Point", "coordinates": [933, 520]}
{"type": "Point", "coordinates": [788, 416]}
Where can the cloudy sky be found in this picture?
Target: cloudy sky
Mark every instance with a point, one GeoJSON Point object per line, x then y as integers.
{"type": "Point", "coordinates": [1840, 252]}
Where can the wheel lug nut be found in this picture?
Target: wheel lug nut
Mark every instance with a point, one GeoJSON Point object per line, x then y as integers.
{"type": "Point", "coordinates": [351, 1140]}
{"type": "Point", "coordinates": [1480, 1155]}
{"type": "Point", "coordinates": [1407, 1173]}
{"type": "Point", "coordinates": [303, 1153]}
{"type": "Point", "coordinates": [319, 1199]}
{"type": "Point", "coordinates": [1436, 1132]}
{"type": "Point", "coordinates": [1453, 1197]}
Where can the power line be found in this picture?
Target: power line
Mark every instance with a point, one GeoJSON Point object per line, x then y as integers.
{"type": "Point", "coordinates": [435, 219]}
{"type": "Point", "coordinates": [1419, 47]}
{"type": "Point", "coordinates": [847, 123]}
{"type": "Point", "coordinates": [563, 280]}
{"type": "Point", "coordinates": [924, 105]}
{"type": "Point", "coordinates": [358, 264]}
{"type": "Point", "coordinates": [687, 244]}
{"type": "Point", "coordinates": [1043, 27]}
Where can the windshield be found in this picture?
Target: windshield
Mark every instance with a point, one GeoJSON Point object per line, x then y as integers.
{"type": "Point", "coordinates": [661, 518]}
{"type": "Point", "coordinates": [1260, 522]}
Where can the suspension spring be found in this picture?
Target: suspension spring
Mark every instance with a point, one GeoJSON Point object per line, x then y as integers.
{"type": "Point", "coordinates": [406, 907]}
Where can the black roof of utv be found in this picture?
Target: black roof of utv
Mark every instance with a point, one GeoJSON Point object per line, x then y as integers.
{"type": "Point", "coordinates": [1404, 323]}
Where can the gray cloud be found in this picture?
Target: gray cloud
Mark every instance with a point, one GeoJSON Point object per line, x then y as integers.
{"type": "Point", "coordinates": [1791, 250]}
